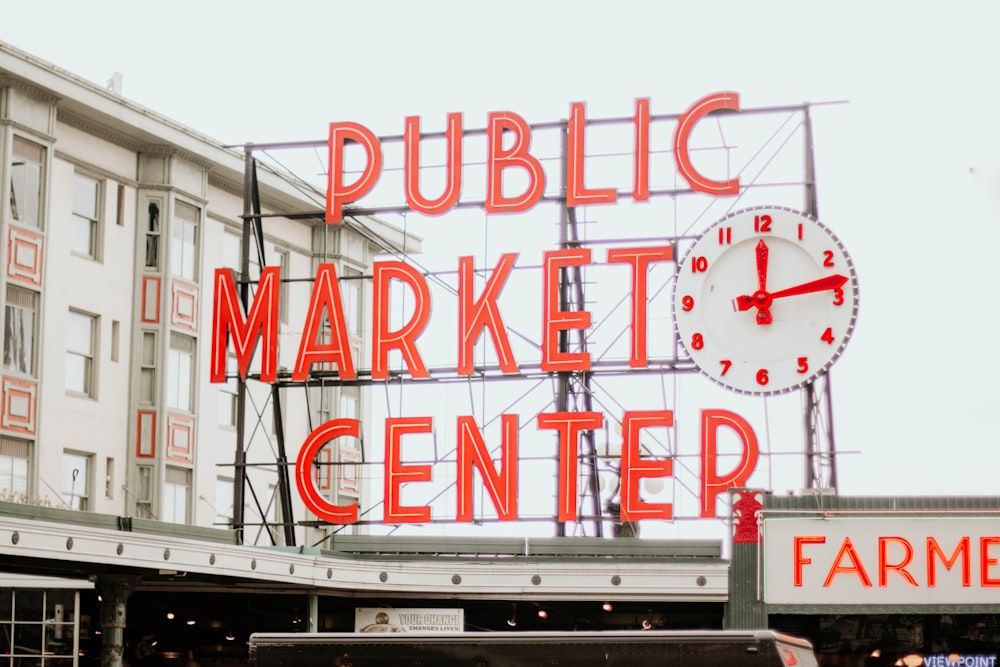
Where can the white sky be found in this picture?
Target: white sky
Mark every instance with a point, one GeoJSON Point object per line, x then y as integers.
{"type": "Point", "coordinates": [915, 396]}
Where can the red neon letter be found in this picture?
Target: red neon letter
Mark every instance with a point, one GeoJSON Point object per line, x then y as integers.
{"type": "Point", "coordinates": [338, 194]}
{"type": "Point", "coordinates": [569, 425]}
{"type": "Point", "coordinates": [711, 483]}
{"type": "Point", "coordinates": [404, 338]}
{"type": "Point", "coordinates": [305, 481]}
{"type": "Point", "coordinates": [501, 485]}
{"type": "Point", "coordinates": [985, 562]}
{"type": "Point", "coordinates": [473, 316]}
{"type": "Point", "coordinates": [498, 159]}
{"type": "Point", "coordinates": [847, 549]}
{"type": "Point", "coordinates": [555, 320]}
{"type": "Point", "coordinates": [634, 467]}
{"type": "Point", "coordinates": [577, 193]}
{"type": "Point", "coordinates": [640, 259]}
{"type": "Point", "coordinates": [453, 185]}
{"type": "Point", "coordinates": [640, 171]}
{"type": "Point", "coordinates": [884, 566]}
{"type": "Point", "coordinates": [963, 549]}
{"type": "Point", "coordinates": [685, 124]}
{"type": "Point", "coordinates": [228, 319]}
{"type": "Point", "coordinates": [397, 474]}
{"type": "Point", "coordinates": [798, 559]}
{"type": "Point", "coordinates": [325, 296]}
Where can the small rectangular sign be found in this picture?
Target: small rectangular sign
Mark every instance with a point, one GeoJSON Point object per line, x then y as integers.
{"type": "Point", "coordinates": [905, 560]}
{"type": "Point", "coordinates": [414, 621]}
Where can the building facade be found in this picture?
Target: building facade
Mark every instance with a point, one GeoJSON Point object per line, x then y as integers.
{"type": "Point", "coordinates": [114, 221]}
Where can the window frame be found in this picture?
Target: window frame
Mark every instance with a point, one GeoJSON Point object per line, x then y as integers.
{"type": "Point", "coordinates": [17, 298]}
{"type": "Point", "coordinates": [89, 388]}
{"type": "Point", "coordinates": [170, 488]}
{"type": "Point", "coordinates": [79, 499]}
{"type": "Point", "coordinates": [184, 241]}
{"type": "Point", "coordinates": [94, 219]}
{"type": "Point", "coordinates": [181, 347]}
{"type": "Point", "coordinates": [17, 452]}
{"type": "Point", "coordinates": [16, 209]}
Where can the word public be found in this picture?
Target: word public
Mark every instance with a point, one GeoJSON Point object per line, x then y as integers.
{"type": "Point", "coordinates": [506, 127]}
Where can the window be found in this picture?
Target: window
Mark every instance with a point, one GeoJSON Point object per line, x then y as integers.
{"type": "Point", "coordinates": [116, 331]}
{"type": "Point", "coordinates": [349, 402]}
{"type": "Point", "coordinates": [351, 286]}
{"type": "Point", "coordinates": [15, 460]}
{"type": "Point", "coordinates": [320, 398]}
{"type": "Point", "coordinates": [281, 258]}
{"type": "Point", "coordinates": [229, 392]}
{"type": "Point", "coordinates": [26, 169]}
{"type": "Point", "coordinates": [109, 478]}
{"type": "Point", "coordinates": [231, 244]}
{"type": "Point", "coordinates": [180, 372]}
{"type": "Point", "coordinates": [19, 330]}
{"type": "Point", "coordinates": [144, 492]}
{"type": "Point", "coordinates": [153, 235]}
{"type": "Point", "coordinates": [39, 627]}
{"type": "Point", "coordinates": [147, 369]}
{"type": "Point", "coordinates": [176, 495]}
{"type": "Point", "coordinates": [184, 241]}
{"type": "Point", "coordinates": [85, 226]}
{"type": "Point", "coordinates": [224, 501]}
{"type": "Point", "coordinates": [80, 351]}
{"type": "Point", "coordinates": [74, 487]}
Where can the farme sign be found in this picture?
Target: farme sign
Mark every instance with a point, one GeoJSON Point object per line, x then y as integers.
{"type": "Point", "coordinates": [254, 330]}
{"type": "Point", "coordinates": [903, 560]}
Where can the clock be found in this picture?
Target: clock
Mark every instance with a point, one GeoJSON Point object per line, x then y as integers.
{"type": "Point", "coordinates": [765, 300]}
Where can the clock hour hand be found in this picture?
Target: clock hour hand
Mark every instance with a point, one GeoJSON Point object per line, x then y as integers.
{"type": "Point", "coordinates": [762, 299]}
{"type": "Point", "coordinates": [763, 313]}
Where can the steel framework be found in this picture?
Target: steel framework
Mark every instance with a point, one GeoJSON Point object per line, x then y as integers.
{"type": "Point", "coordinates": [572, 390]}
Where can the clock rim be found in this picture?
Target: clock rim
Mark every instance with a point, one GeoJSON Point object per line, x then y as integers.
{"type": "Point", "coordinates": [842, 343]}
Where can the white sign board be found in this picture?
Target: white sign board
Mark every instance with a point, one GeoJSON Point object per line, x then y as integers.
{"type": "Point", "coordinates": [905, 560]}
{"type": "Point", "coordinates": [414, 621]}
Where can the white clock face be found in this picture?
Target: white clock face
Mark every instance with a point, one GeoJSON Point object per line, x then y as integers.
{"type": "Point", "coordinates": [765, 300]}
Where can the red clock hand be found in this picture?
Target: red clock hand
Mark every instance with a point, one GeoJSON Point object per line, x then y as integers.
{"type": "Point", "coordinates": [762, 266]}
{"type": "Point", "coordinates": [819, 285]}
{"type": "Point", "coordinates": [763, 312]}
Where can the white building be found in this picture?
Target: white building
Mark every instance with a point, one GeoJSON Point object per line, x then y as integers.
{"type": "Point", "coordinates": [114, 219]}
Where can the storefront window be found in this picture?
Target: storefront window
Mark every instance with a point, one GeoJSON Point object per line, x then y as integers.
{"type": "Point", "coordinates": [38, 627]}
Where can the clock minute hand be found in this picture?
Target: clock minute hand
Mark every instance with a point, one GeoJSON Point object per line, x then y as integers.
{"type": "Point", "coordinates": [818, 285]}
{"type": "Point", "coordinates": [762, 300]}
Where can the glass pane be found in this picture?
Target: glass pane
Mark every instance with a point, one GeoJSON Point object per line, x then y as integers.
{"type": "Point", "coordinates": [25, 192]}
{"type": "Point", "coordinates": [13, 483]}
{"type": "Point", "coordinates": [147, 378]}
{"type": "Point", "coordinates": [148, 348]}
{"type": "Point", "coordinates": [152, 251]}
{"type": "Point", "coordinates": [75, 473]}
{"type": "Point", "coordinates": [79, 333]}
{"type": "Point", "coordinates": [85, 197]}
{"type": "Point", "coordinates": [28, 605]}
{"type": "Point", "coordinates": [18, 339]}
{"type": "Point", "coordinates": [5, 636]}
{"type": "Point", "coordinates": [6, 605]}
{"type": "Point", "coordinates": [231, 251]}
{"type": "Point", "coordinates": [81, 236]}
{"type": "Point", "coordinates": [76, 373]}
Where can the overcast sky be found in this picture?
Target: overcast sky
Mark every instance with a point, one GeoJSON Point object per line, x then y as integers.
{"type": "Point", "coordinates": [908, 169]}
